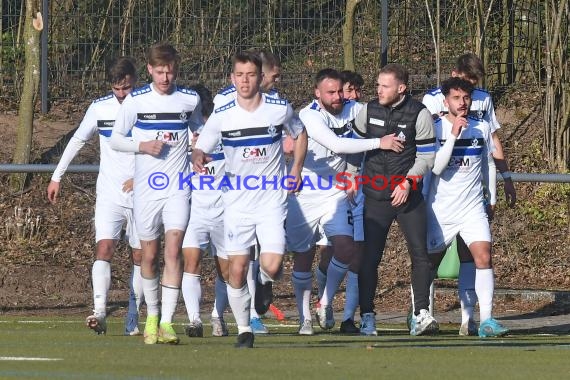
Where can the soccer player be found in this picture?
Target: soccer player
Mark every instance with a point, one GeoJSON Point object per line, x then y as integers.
{"type": "Point", "coordinates": [251, 128]}
{"type": "Point", "coordinates": [394, 191]}
{"type": "Point", "coordinates": [114, 203]}
{"type": "Point", "coordinates": [351, 90]}
{"type": "Point", "coordinates": [352, 87]}
{"type": "Point", "coordinates": [470, 67]}
{"type": "Point", "coordinates": [328, 120]}
{"type": "Point", "coordinates": [159, 115]}
{"type": "Point", "coordinates": [205, 227]}
{"type": "Point", "coordinates": [271, 73]}
{"type": "Point", "coordinates": [455, 201]}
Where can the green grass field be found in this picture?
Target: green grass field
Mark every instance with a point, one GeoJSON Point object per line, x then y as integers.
{"type": "Point", "coordinates": [62, 348]}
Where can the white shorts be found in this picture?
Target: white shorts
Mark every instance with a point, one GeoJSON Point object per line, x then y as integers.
{"type": "Point", "coordinates": [441, 233]}
{"type": "Point", "coordinates": [206, 226]}
{"type": "Point", "coordinates": [150, 216]}
{"type": "Point", "coordinates": [109, 220]}
{"type": "Point", "coordinates": [304, 215]}
{"type": "Point", "coordinates": [322, 237]}
{"type": "Point", "coordinates": [265, 226]}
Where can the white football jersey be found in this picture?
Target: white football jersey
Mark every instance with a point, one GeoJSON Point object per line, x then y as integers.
{"type": "Point", "coordinates": [481, 107]}
{"type": "Point", "coordinates": [114, 167]}
{"type": "Point", "coordinates": [152, 116]}
{"type": "Point", "coordinates": [255, 164]}
{"type": "Point", "coordinates": [206, 186]}
{"type": "Point", "coordinates": [321, 163]}
{"type": "Point", "coordinates": [458, 189]}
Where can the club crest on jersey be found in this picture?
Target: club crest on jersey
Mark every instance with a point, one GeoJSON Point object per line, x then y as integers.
{"type": "Point", "coordinates": [402, 136]}
{"type": "Point", "coordinates": [474, 143]}
{"type": "Point", "coordinates": [183, 116]}
{"type": "Point", "coordinates": [272, 130]}
{"type": "Point", "coordinates": [480, 114]}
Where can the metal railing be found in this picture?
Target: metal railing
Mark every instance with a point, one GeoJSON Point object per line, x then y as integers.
{"type": "Point", "coordinates": [87, 168]}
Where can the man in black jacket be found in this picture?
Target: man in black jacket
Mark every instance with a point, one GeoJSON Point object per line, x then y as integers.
{"type": "Point", "coordinates": [392, 188]}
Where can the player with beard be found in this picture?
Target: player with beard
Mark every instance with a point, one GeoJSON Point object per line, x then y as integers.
{"type": "Point", "coordinates": [395, 113]}
{"type": "Point", "coordinates": [328, 120]}
{"type": "Point", "coordinates": [455, 201]}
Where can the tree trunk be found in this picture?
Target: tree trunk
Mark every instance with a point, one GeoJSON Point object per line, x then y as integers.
{"type": "Point", "coordinates": [557, 86]}
{"type": "Point", "coordinates": [32, 31]}
{"type": "Point", "coordinates": [347, 34]}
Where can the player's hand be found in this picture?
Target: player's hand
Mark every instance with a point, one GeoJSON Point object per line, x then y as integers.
{"type": "Point", "coordinates": [128, 185]}
{"type": "Point", "coordinates": [53, 192]}
{"type": "Point", "coordinates": [152, 147]}
{"type": "Point", "coordinates": [459, 123]}
{"type": "Point", "coordinates": [293, 184]}
{"type": "Point", "coordinates": [391, 142]}
{"type": "Point", "coordinates": [510, 193]}
{"type": "Point", "coordinates": [199, 160]}
{"type": "Point", "coordinates": [400, 194]}
{"type": "Point", "coordinates": [490, 212]}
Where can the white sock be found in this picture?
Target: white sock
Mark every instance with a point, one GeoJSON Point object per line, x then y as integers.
{"type": "Point", "coordinates": [137, 285]}
{"type": "Point", "coordinates": [466, 290]}
{"type": "Point", "coordinates": [251, 287]}
{"type": "Point", "coordinates": [101, 276]}
{"type": "Point", "coordinates": [150, 289]}
{"type": "Point", "coordinates": [321, 281]}
{"type": "Point", "coordinates": [485, 287]}
{"type": "Point", "coordinates": [192, 294]}
{"type": "Point", "coordinates": [169, 302]}
{"type": "Point", "coordinates": [221, 301]}
{"type": "Point", "coordinates": [335, 274]}
{"type": "Point", "coordinates": [264, 278]}
{"type": "Point", "coordinates": [240, 301]}
{"type": "Point", "coordinates": [302, 285]}
{"type": "Point", "coordinates": [351, 302]}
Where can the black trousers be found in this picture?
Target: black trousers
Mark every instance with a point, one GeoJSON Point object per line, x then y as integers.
{"type": "Point", "coordinates": [378, 217]}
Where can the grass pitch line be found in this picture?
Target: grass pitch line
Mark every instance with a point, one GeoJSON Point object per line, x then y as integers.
{"type": "Point", "coordinates": [23, 358]}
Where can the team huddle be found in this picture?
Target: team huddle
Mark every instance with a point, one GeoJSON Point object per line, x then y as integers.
{"type": "Point", "coordinates": [248, 178]}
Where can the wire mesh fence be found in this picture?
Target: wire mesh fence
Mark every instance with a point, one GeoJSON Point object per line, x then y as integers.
{"type": "Point", "coordinates": [305, 34]}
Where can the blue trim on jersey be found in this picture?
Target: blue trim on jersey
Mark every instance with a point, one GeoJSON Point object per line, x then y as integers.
{"type": "Point", "coordinates": [186, 90]}
{"type": "Point", "coordinates": [315, 106]}
{"type": "Point", "coordinates": [434, 91]}
{"type": "Point", "coordinates": [141, 90]}
{"type": "Point", "coordinates": [252, 141]}
{"type": "Point", "coordinates": [425, 148]}
{"type": "Point", "coordinates": [217, 156]}
{"type": "Point", "coordinates": [227, 90]}
{"type": "Point", "coordinates": [226, 106]}
{"type": "Point", "coordinates": [106, 97]}
{"type": "Point", "coordinates": [179, 126]}
{"type": "Point", "coordinates": [467, 151]}
{"type": "Point", "coordinates": [278, 101]}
